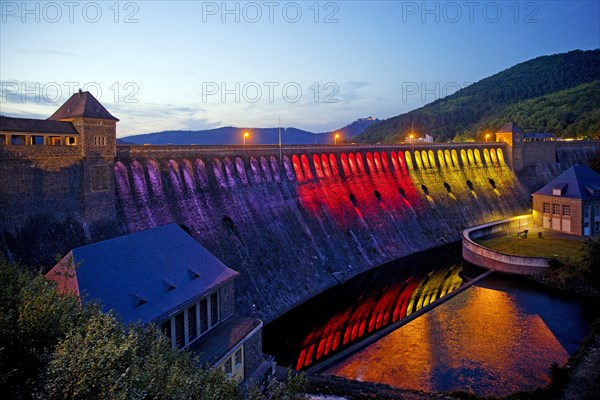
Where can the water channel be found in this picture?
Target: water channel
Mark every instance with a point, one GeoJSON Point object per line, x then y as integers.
{"type": "Point", "coordinates": [431, 322]}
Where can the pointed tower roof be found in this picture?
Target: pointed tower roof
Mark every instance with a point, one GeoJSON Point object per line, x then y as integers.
{"type": "Point", "coordinates": [578, 182]}
{"type": "Point", "coordinates": [510, 127]}
{"type": "Point", "coordinates": [82, 105]}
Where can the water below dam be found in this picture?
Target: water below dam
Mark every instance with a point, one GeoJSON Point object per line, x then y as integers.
{"type": "Point", "coordinates": [497, 336]}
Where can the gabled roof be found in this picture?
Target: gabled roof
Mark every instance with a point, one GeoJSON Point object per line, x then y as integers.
{"type": "Point", "coordinates": [144, 276]}
{"type": "Point", "coordinates": [28, 125]}
{"type": "Point", "coordinates": [82, 105]}
{"type": "Point", "coordinates": [510, 127]}
{"type": "Point", "coordinates": [578, 182]}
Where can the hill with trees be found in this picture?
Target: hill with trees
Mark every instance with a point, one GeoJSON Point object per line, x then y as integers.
{"type": "Point", "coordinates": [557, 93]}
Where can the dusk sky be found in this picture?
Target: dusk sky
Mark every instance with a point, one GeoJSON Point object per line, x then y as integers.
{"type": "Point", "coordinates": [160, 65]}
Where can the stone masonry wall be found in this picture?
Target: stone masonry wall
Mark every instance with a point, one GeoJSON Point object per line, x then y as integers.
{"type": "Point", "coordinates": [253, 355]}
{"type": "Point", "coordinates": [226, 294]}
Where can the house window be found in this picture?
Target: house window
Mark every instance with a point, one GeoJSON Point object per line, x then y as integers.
{"type": "Point", "coordinates": [37, 140]}
{"type": "Point", "coordinates": [2, 139]}
{"type": "Point", "coordinates": [179, 331]}
{"type": "Point", "coordinates": [17, 139]}
{"type": "Point", "coordinates": [165, 328]}
{"type": "Point", "coordinates": [70, 141]}
{"type": "Point", "coordinates": [566, 209]}
{"type": "Point", "coordinates": [586, 212]}
{"type": "Point", "coordinates": [55, 140]}
{"type": "Point", "coordinates": [192, 329]}
{"type": "Point", "coordinates": [556, 209]}
{"type": "Point", "coordinates": [238, 358]}
{"type": "Point", "coordinates": [597, 213]}
{"type": "Point", "coordinates": [214, 309]}
{"type": "Point", "coordinates": [203, 315]}
{"type": "Point", "coordinates": [547, 208]}
{"type": "Point", "coordinates": [99, 141]}
{"type": "Point", "coordinates": [193, 322]}
{"type": "Point", "coordinates": [228, 367]}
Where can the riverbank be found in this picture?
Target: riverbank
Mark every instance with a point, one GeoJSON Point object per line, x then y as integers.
{"type": "Point", "coordinates": [583, 369]}
{"type": "Point", "coordinates": [356, 390]}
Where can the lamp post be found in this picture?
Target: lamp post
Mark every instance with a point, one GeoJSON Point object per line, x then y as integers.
{"type": "Point", "coordinates": [335, 138]}
{"type": "Point", "coordinates": [246, 135]}
{"type": "Point", "coordinates": [412, 143]}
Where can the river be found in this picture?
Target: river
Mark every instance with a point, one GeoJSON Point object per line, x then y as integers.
{"type": "Point", "coordinates": [494, 337]}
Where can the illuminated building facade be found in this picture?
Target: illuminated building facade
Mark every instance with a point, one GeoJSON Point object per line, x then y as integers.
{"type": "Point", "coordinates": [570, 203]}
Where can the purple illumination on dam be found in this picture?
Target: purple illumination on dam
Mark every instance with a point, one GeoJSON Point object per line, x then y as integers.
{"type": "Point", "coordinates": [314, 216]}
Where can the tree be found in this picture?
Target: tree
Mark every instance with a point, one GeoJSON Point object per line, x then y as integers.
{"type": "Point", "coordinates": [591, 260]}
{"type": "Point", "coordinates": [34, 319]}
{"type": "Point", "coordinates": [52, 347]}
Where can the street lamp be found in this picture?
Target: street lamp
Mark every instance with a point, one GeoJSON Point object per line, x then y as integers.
{"type": "Point", "coordinates": [335, 138]}
{"type": "Point", "coordinates": [412, 142]}
{"type": "Point", "coordinates": [246, 135]}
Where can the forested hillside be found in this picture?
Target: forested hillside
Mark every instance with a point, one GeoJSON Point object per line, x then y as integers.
{"type": "Point", "coordinates": [557, 93]}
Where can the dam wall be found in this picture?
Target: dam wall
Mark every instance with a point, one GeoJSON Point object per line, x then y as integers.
{"type": "Point", "coordinates": [546, 160]}
{"type": "Point", "coordinates": [299, 219]}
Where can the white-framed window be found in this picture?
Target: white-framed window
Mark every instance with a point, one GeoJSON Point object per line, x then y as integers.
{"type": "Point", "coordinates": [194, 321]}
{"type": "Point", "coordinates": [233, 366]}
{"type": "Point", "coordinates": [586, 212]}
{"type": "Point", "coordinates": [228, 367]}
{"type": "Point", "coordinates": [566, 209]}
{"type": "Point", "coordinates": [556, 209]}
{"type": "Point", "coordinates": [547, 208]}
{"type": "Point", "coordinates": [238, 357]}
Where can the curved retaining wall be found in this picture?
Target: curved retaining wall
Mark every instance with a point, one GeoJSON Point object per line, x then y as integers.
{"type": "Point", "coordinates": [496, 261]}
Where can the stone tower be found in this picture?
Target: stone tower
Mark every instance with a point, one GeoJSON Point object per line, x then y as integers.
{"type": "Point", "coordinates": [514, 137]}
{"type": "Point", "coordinates": [97, 142]}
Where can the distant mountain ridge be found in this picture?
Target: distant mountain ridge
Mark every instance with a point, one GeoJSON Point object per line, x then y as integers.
{"type": "Point", "coordinates": [557, 93]}
{"type": "Point", "coordinates": [233, 135]}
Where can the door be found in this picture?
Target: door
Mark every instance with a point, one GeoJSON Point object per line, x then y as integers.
{"type": "Point", "coordinates": [547, 222]}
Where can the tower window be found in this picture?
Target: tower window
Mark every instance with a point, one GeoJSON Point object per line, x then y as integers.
{"type": "Point", "coordinates": [99, 141]}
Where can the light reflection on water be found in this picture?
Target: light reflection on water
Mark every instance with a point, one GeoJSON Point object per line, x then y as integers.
{"type": "Point", "coordinates": [493, 339]}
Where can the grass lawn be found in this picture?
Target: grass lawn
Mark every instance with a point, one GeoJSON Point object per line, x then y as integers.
{"type": "Point", "coordinates": [532, 246]}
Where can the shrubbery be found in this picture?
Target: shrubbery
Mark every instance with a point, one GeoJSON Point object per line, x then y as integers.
{"type": "Point", "coordinates": [51, 347]}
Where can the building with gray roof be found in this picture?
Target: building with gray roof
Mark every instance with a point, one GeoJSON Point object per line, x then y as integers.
{"type": "Point", "coordinates": [570, 202]}
{"type": "Point", "coordinates": [163, 276]}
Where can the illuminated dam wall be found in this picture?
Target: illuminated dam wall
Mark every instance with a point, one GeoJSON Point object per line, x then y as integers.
{"type": "Point", "coordinates": [297, 220]}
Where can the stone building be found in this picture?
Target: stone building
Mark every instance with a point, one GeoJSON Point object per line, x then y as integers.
{"type": "Point", "coordinates": [570, 203]}
{"type": "Point", "coordinates": [526, 149]}
{"type": "Point", "coordinates": [61, 166]}
{"type": "Point", "coordinates": [163, 276]}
